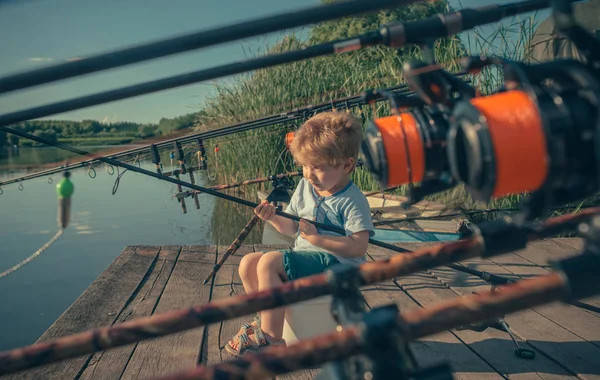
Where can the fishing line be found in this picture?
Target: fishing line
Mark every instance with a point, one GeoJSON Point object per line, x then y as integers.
{"type": "Point", "coordinates": [33, 256]}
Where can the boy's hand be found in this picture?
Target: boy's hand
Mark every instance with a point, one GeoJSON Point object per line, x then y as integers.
{"type": "Point", "coordinates": [307, 230]}
{"type": "Point", "coordinates": [265, 210]}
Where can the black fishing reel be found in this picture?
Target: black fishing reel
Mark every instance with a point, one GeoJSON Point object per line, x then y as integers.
{"type": "Point", "coordinates": [281, 191]}
{"type": "Point", "coordinates": [410, 145]}
{"type": "Point", "coordinates": [387, 354]}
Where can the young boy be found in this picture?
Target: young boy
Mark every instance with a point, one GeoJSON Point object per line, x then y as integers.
{"type": "Point", "coordinates": [327, 147]}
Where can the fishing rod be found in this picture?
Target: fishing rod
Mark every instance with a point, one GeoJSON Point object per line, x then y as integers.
{"type": "Point", "coordinates": [491, 239]}
{"type": "Point", "coordinates": [289, 116]}
{"type": "Point", "coordinates": [473, 212]}
{"type": "Point", "coordinates": [202, 39]}
{"type": "Point", "coordinates": [418, 32]}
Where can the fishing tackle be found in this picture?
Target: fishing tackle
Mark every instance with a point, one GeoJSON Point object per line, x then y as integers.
{"type": "Point", "coordinates": [172, 157]}
{"type": "Point", "coordinates": [180, 156]}
{"type": "Point", "coordinates": [91, 170]}
{"type": "Point", "coordinates": [181, 159]}
{"type": "Point", "coordinates": [109, 169]}
{"type": "Point", "coordinates": [544, 139]}
{"type": "Point", "coordinates": [387, 352]}
{"type": "Point", "coordinates": [243, 183]}
{"type": "Point", "coordinates": [539, 134]}
{"type": "Point", "coordinates": [289, 138]}
{"type": "Point", "coordinates": [64, 190]}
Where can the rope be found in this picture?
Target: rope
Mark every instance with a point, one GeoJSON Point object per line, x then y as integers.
{"type": "Point", "coordinates": [30, 258]}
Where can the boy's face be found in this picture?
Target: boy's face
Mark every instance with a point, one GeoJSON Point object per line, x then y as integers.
{"type": "Point", "coordinates": [325, 178]}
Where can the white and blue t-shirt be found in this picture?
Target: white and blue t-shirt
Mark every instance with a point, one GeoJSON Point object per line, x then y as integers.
{"type": "Point", "coordinates": [347, 209]}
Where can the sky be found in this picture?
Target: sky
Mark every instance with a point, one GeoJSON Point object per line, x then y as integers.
{"type": "Point", "coordinates": [38, 33]}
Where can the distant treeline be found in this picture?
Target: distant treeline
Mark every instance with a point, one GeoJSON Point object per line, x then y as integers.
{"type": "Point", "coordinates": [95, 132]}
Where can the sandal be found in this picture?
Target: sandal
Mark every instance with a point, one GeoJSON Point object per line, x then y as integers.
{"type": "Point", "coordinates": [247, 326]}
{"type": "Point", "coordinates": [246, 344]}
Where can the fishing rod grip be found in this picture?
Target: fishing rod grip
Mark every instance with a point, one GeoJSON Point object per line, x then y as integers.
{"type": "Point", "coordinates": [180, 156]}
{"type": "Point", "coordinates": [155, 157]}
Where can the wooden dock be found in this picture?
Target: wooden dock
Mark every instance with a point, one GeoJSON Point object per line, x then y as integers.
{"type": "Point", "coordinates": [146, 280]}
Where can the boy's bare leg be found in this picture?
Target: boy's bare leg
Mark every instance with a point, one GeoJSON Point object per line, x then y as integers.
{"type": "Point", "coordinates": [248, 275]}
{"type": "Point", "coordinates": [248, 271]}
{"type": "Point", "coordinates": [272, 274]}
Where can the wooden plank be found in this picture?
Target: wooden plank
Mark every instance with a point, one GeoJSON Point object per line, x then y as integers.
{"type": "Point", "coordinates": [585, 324]}
{"type": "Point", "coordinates": [494, 346]}
{"type": "Point", "coordinates": [184, 289]}
{"type": "Point", "coordinates": [111, 364]}
{"type": "Point", "coordinates": [542, 252]}
{"type": "Point", "coordinates": [98, 306]}
{"type": "Point", "coordinates": [227, 283]}
{"type": "Point", "coordinates": [379, 253]}
{"type": "Point", "coordinates": [442, 347]}
{"type": "Point", "coordinates": [573, 353]}
{"type": "Point", "coordinates": [576, 243]}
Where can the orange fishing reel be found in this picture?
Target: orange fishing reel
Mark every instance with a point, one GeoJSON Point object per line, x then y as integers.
{"type": "Point", "coordinates": [410, 146]}
{"type": "Point", "coordinates": [542, 136]}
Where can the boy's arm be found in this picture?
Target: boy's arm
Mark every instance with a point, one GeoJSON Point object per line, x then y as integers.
{"type": "Point", "coordinates": [350, 246]}
{"type": "Point", "coordinates": [284, 226]}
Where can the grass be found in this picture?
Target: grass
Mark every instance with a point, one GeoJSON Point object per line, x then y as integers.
{"type": "Point", "coordinates": [281, 88]}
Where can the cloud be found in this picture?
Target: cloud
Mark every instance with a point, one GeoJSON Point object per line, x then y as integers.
{"type": "Point", "coordinates": [41, 59]}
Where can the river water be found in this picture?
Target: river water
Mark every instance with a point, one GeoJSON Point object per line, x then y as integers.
{"type": "Point", "coordinates": [142, 211]}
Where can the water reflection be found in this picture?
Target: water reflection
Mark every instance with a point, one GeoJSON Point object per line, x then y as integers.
{"type": "Point", "coordinates": [143, 211]}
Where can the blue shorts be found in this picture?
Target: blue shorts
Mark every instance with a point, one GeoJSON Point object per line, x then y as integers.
{"type": "Point", "coordinates": [298, 264]}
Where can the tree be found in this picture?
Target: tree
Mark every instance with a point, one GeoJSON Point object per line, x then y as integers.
{"type": "Point", "coordinates": [146, 130]}
{"type": "Point", "coordinates": [3, 139]}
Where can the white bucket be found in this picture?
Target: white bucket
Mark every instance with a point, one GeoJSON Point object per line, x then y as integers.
{"type": "Point", "coordinates": [308, 319]}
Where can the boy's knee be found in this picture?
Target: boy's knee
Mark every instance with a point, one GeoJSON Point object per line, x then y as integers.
{"type": "Point", "coordinates": [248, 263]}
{"type": "Point", "coordinates": [270, 261]}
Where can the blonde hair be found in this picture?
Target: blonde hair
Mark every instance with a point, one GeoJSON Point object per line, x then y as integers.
{"type": "Point", "coordinates": [328, 138]}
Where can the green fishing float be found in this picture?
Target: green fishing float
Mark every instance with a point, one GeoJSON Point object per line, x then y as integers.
{"type": "Point", "coordinates": [64, 190]}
